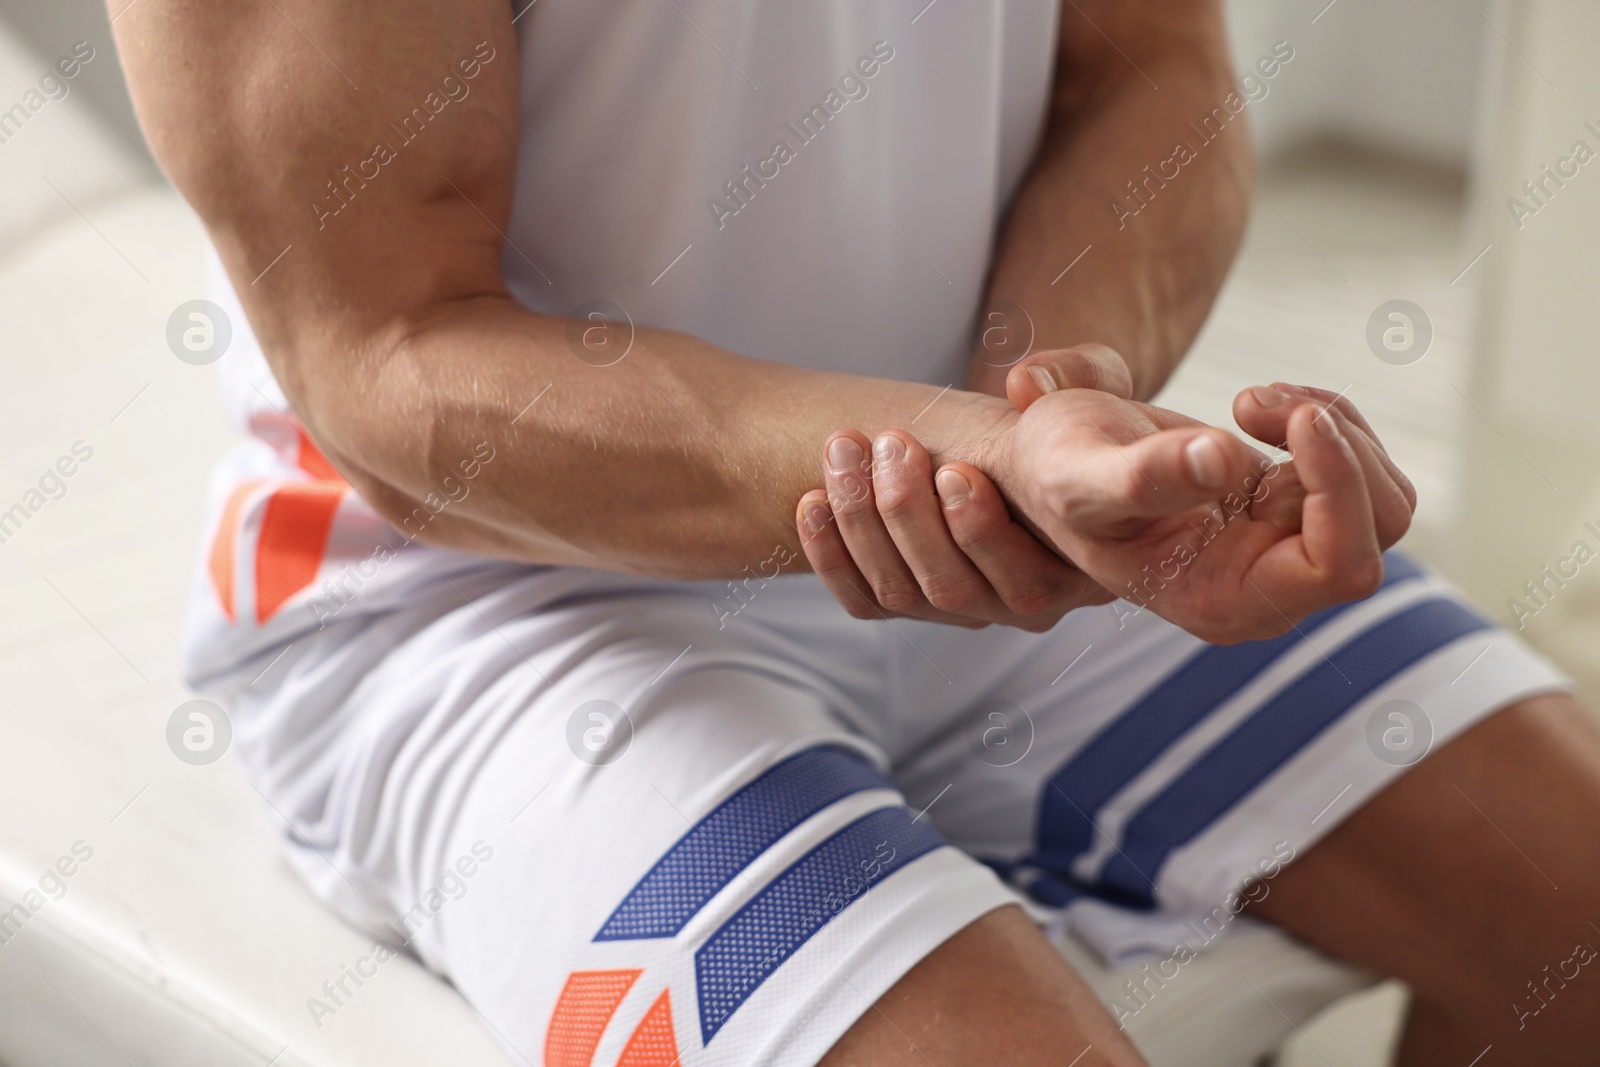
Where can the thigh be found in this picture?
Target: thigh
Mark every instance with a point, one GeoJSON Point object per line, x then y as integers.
{"type": "Point", "coordinates": [714, 870]}
{"type": "Point", "coordinates": [1475, 878]}
{"type": "Point", "coordinates": [1149, 786]}
{"type": "Point", "coordinates": [997, 992]}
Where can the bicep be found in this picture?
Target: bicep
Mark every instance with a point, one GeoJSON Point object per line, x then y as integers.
{"type": "Point", "coordinates": [372, 147]}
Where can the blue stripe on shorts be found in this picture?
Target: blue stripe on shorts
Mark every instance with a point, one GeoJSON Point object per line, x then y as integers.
{"type": "Point", "coordinates": [1257, 747]}
{"type": "Point", "coordinates": [722, 844]}
{"type": "Point", "coordinates": [790, 909]}
{"type": "Point", "coordinates": [1135, 739]}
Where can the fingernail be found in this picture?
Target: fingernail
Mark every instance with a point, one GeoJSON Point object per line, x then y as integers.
{"type": "Point", "coordinates": [1290, 389]}
{"type": "Point", "coordinates": [1326, 426]}
{"type": "Point", "coordinates": [888, 450]}
{"type": "Point", "coordinates": [818, 517]}
{"type": "Point", "coordinates": [843, 454]}
{"type": "Point", "coordinates": [1043, 378]}
{"type": "Point", "coordinates": [953, 488]}
{"type": "Point", "coordinates": [1207, 465]}
{"type": "Point", "coordinates": [1269, 398]}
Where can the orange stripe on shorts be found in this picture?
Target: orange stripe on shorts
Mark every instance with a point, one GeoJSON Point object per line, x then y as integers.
{"type": "Point", "coordinates": [222, 546]}
{"type": "Point", "coordinates": [653, 1044]}
{"type": "Point", "coordinates": [294, 533]}
{"type": "Point", "coordinates": [311, 460]}
{"type": "Point", "coordinates": [585, 1006]}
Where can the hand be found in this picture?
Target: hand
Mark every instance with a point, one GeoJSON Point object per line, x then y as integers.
{"type": "Point", "coordinates": [1265, 416]}
{"type": "Point", "coordinates": [1192, 523]}
{"type": "Point", "coordinates": [891, 537]}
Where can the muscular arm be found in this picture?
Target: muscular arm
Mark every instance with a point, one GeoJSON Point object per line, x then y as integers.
{"type": "Point", "coordinates": [1146, 284]}
{"type": "Point", "coordinates": [392, 333]}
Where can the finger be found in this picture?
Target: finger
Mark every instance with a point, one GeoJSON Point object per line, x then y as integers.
{"type": "Point", "coordinates": [1261, 399]}
{"type": "Point", "coordinates": [1102, 485]}
{"type": "Point", "coordinates": [1367, 434]}
{"type": "Point", "coordinates": [902, 485]}
{"type": "Point", "coordinates": [1393, 498]}
{"type": "Point", "coordinates": [1329, 398]}
{"type": "Point", "coordinates": [1325, 397]}
{"type": "Point", "coordinates": [829, 558]}
{"type": "Point", "coordinates": [1263, 412]}
{"type": "Point", "coordinates": [1338, 544]}
{"type": "Point", "coordinates": [848, 480]}
{"type": "Point", "coordinates": [1085, 366]}
{"type": "Point", "coordinates": [1030, 579]}
{"type": "Point", "coordinates": [1267, 413]}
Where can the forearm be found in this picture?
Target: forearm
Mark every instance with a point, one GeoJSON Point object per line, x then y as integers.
{"type": "Point", "coordinates": [1146, 259]}
{"type": "Point", "coordinates": [391, 331]}
{"type": "Point", "coordinates": [680, 460]}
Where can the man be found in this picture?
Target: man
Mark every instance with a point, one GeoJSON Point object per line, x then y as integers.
{"type": "Point", "coordinates": [568, 301]}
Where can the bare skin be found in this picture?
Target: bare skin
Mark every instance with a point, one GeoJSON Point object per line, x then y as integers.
{"type": "Point", "coordinates": [898, 537]}
{"type": "Point", "coordinates": [996, 992]}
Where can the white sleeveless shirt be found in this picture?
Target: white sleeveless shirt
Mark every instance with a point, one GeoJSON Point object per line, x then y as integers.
{"type": "Point", "coordinates": [814, 182]}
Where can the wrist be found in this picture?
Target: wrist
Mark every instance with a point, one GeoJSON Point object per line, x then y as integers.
{"type": "Point", "coordinates": [977, 429]}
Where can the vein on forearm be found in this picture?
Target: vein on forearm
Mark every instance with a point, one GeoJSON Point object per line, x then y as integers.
{"type": "Point", "coordinates": [1145, 285]}
{"type": "Point", "coordinates": [681, 460]}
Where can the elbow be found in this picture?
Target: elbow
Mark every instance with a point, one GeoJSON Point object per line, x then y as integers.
{"type": "Point", "coordinates": [348, 394]}
{"type": "Point", "coordinates": [438, 512]}
{"type": "Point", "coordinates": [394, 413]}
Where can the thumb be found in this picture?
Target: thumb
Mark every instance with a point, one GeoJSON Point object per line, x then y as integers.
{"type": "Point", "coordinates": [1085, 366]}
{"type": "Point", "coordinates": [1162, 474]}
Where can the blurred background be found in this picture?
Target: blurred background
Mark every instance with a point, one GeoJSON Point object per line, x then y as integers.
{"type": "Point", "coordinates": [1394, 148]}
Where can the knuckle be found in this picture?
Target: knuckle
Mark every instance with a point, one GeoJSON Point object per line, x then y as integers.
{"type": "Point", "coordinates": [895, 501]}
{"type": "Point", "coordinates": [1219, 625]}
{"type": "Point", "coordinates": [976, 529]}
{"type": "Point", "coordinates": [1040, 624]}
{"type": "Point", "coordinates": [896, 594]}
{"type": "Point", "coordinates": [1055, 485]}
{"type": "Point", "coordinates": [1036, 596]}
{"type": "Point", "coordinates": [1075, 370]}
{"type": "Point", "coordinates": [1132, 481]}
{"type": "Point", "coordinates": [857, 610]}
{"type": "Point", "coordinates": [848, 492]}
{"type": "Point", "coordinates": [1395, 527]}
{"type": "Point", "coordinates": [816, 536]}
{"type": "Point", "coordinates": [967, 536]}
{"type": "Point", "coordinates": [951, 592]}
{"type": "Point", "coordinates": [1361, 580]}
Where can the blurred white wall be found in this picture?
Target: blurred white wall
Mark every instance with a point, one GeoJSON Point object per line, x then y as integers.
{"type": "Point", "coordinates": [1534, 443]}
{"type": "Point", "coordinates": [1398, 76]}
{"type": "Point", "coordinates": [1393, 76]}
{"type": "Point", "coordinates": [67, 154]}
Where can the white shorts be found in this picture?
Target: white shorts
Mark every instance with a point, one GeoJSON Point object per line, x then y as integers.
{"type": "Point", "coordinates": [635, 826]}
